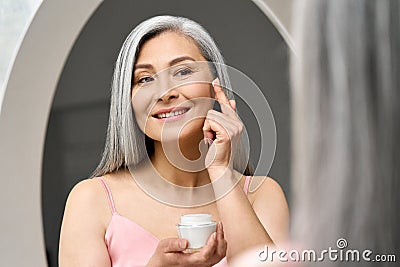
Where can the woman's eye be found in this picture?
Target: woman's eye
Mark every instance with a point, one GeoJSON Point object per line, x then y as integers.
{"type": "Point", "coordinates": [145, 80]}
{"type": "Point", "coordinates": [184, 72]}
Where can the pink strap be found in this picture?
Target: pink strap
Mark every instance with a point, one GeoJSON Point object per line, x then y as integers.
{"type": "Point", "coordinates": [246, 184]}
{"type": "Point", "coordinates": [109, 196]}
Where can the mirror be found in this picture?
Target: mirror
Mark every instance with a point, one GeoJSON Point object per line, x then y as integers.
{"type": "Point", "coordinates": [82, 98]}
{"type": "Point", "coordinates": [79, 115]}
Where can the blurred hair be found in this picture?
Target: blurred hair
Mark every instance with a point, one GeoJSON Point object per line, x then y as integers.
{"type": "Point", "coordinates": [346, 121]}
{"type": "Point", "coordinates": [126, 145]}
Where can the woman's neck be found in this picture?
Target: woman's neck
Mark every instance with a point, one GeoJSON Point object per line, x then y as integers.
{"type": "Point", "coordinates": [182, 165]}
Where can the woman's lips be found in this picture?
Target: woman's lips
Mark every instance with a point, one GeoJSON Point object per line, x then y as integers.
{"type": "Point", "coordinates": [176, 115]}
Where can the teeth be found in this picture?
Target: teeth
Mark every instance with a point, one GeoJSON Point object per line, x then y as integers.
{"type": "Point", "coordinates": [171, 114]}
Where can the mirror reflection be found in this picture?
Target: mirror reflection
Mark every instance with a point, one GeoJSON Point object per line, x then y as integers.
{"type": "Point", "coordinates": [78, 122]}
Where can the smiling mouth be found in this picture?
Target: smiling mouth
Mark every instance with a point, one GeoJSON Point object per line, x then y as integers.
{"type": "Point", "coordinates": [171, 114]}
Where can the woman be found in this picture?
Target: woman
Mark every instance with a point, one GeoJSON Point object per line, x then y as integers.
{"type": "Point", "coordinates": [139, 230]}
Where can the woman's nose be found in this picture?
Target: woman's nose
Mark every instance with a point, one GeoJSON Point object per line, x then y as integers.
{"type": "Point", "coordinates": [170, 94]}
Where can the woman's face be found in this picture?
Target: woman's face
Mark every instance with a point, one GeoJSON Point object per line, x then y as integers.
{"type": "Point", "coordinates": [171, 73]}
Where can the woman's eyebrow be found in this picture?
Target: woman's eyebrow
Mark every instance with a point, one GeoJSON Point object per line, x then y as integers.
{"type": "Point", "coordinates": [171, 63]}
{"type": "Point", "coordinates": [180, 59]}
{"type": "Point", "coordinates": [143, 66]}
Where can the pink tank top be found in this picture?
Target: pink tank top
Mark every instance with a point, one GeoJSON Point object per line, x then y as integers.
{"type": "Point", "coordinates": [131, 245]}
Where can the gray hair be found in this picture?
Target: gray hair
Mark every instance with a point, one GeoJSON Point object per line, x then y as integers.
{"type": "Point", "coordinates": [346, 121]}
{"type": "Point", "coordinates": [125, 142]}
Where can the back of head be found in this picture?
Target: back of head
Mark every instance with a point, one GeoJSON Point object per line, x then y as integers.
{"type": "Point", "coordinates": [346, 114]}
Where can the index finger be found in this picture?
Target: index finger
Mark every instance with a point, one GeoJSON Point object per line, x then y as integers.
{"type": "Point", "coordinates": [220, 96]}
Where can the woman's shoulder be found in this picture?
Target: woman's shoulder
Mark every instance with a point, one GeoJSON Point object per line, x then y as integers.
{"type": "Point", "coordinates": [87, 189]}
{"type": "Point", "coordinates": [263, 185]}
{"type": "Point", "coordinates": [92, 192]}
{"type": "Point", "coordinates": [88, 194]}
{"type": "Point", "coordinates": [269, 202]}
{"type": "Point", "coordinates": [87, 206]}
{"type": "Point", "coordinates": [265, 188]}
{"type": "Point", "coordinates": [94, 189]}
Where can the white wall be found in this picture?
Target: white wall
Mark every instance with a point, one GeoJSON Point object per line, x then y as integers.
{"type": "Point", "coordinates": [15, 17]}
{"type": "Point", "coordinates": [26, 102]}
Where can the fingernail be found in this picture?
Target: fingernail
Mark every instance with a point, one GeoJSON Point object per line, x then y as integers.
{"type": "Point", "coordinates": [182, 243]}
{"type": "Point", "coordinates": [215, 81]}
{"type": "Point", "coordinates": [205, 140]}
{"type": "Point", "coordinates": [215, 235]}
{"type": "Point", "coordinates": [222, 228]}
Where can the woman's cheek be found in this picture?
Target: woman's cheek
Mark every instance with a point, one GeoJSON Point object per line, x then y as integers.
{"type": "Point", "coordinates": [196, 90]}
{"type": "Point", "coordinates": [141, 104]}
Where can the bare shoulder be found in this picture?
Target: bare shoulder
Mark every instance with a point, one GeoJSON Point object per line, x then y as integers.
{"type": "Point", "coordinates": [266, 184]}
{"type": "Point", "coordinates": [87, 191]}
{"type": "Point", "coordinates": [92, 190]}
{"type": "Point", "coordinates": [86, 188]}
{"type": "Point", "coordinates": [87, 196]}
{"type": "Point", "coordinates": [264, 187]}
{"type": "Point", "coordinates": [85, 221]}
{"type": "Point", "coordinates": [88, 200]}
{"type": "Point", "coordinates": [270, 204]}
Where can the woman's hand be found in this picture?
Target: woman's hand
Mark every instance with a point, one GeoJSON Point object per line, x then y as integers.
{"type": "Point", "coordinates": [227, 128]}
{"type": "Point", "coordinates": [169, 252]}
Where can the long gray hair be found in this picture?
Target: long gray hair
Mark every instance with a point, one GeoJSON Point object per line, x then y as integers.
{"type": "Point", "coordinates": [346, 121]}
{"type": "Point", "coordinates": [126, 143]}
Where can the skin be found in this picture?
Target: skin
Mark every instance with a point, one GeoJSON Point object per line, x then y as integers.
{"type": "Point", "coordinates": [263, 214]}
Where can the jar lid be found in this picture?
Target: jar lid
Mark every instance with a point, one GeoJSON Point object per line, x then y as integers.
{"type": "Point", "coordinates": [193, 219]}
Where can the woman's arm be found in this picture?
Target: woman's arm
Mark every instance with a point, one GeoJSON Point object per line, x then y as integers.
{"type": "Point", "coordinates": [82, 232]}
{"type": "Point", "coordinates": [247, 225]}
{"type": "Point", "coordinates": [272, 210]}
